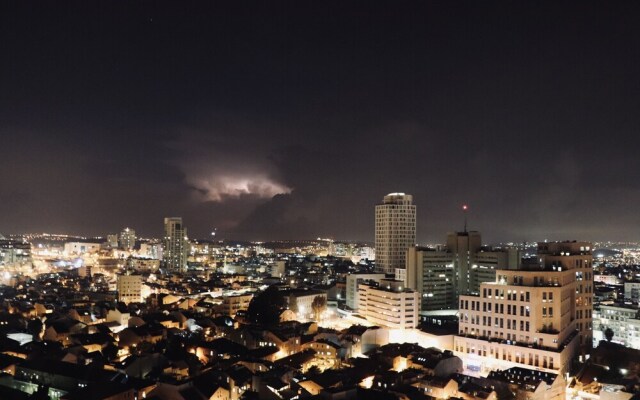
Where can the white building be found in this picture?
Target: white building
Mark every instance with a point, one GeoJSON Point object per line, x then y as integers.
{"type": "Point", "coordinates": [353, 280]}
{"type": "Point", "coordinates": [390, 304]}
{"type": "Point", "coordinates": [129, 288]}
{"type": "Point", "coordinates": [79, 248]}
{"type": "Point", "coordinates": [151, 250]}
{"type": "Point", "coordinates": [14, 252]}
{"type": "Point", "coordinates": [300, 300]}
{"type": "Point", "coordinates": [632, 290]}
{"type": "Point", "coordinates": [395, 231]}
{"type": "Point", "coordinates": [623, 320]}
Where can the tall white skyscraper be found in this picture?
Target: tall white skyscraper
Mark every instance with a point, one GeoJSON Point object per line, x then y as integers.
{"type": "Point", "coordinates": [395, 231]}
{"type": "Point", "coordinates": [174, 255]}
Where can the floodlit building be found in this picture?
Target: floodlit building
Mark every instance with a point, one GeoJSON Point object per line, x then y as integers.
{"type": "Point", "coordinates": [389, 303]}
{"type": "Point", "coordinates": [129, 288]}
{"type": "Point", "coordinates": [353, 280]}
{"type": "Point", "coordinates": [14, 252]}
{"type": "Point", "coordinates": [234, 303]}
{"type": "Point", "coordinates": [175, 244]}
{"type": "Point", "coordinates": [151, 250]}
{"type": "Point", "coordinates": [300, 301]}
{"type": "Point", "coordinates": [533, 317]}
{"type": "Point", "coordinates": [79, 248]}
{"type": "Point", "coordinates": [624, 322]}
{"type": "Point", "coordinates": [575, 256]}
{"type": "Point", "coordinates": [395, 231]}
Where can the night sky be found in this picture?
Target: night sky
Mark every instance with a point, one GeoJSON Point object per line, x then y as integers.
{"type": "Point", "coordinates": [291, 120]}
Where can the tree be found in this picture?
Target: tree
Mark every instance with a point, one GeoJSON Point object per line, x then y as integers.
{"type": "Point", "coordinates": [318, 305]}
{"type": "Point", "coordinates": [34, 327]}
{"type": "Point", "coordinates": [608, 334]}
{"type": "Point", "coordinates": [266, 307]}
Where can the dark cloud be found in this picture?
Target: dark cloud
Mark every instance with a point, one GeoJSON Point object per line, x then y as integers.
{"type": "Point", "coordinates": [287, 120]}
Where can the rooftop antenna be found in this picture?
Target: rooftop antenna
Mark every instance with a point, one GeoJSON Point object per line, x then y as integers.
{"type": "Point", "coordinates": [464, 211]}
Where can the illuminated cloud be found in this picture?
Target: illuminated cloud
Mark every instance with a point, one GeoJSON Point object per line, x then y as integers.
{"type": "Point", "coordinates": [219, 187]}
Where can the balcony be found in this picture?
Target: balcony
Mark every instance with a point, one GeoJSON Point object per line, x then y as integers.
{"type": "Point", "coordinates": [530, 345]}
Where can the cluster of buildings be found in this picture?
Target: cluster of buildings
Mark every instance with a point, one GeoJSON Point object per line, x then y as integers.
{"type": "Point", "coordinates": [179, 319]}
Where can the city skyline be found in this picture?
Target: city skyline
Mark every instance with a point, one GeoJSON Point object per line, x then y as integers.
{"type": "Point", "coordinates": [291, 200]}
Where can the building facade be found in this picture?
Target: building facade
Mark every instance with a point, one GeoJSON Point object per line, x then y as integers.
{"type": "Point", "coordinates": [127, 239]}
{"type": "Point", "coordinates": [175, 244]}
{"type": "Point", "coordinates": [533, 317]}
{"type": "Point", "coordinates": [441, 275]}
{"type": "Point", "coordinates": [577, 257]}
{"type": "Point", "coordinates": [14, 252]}
{"type": "Point", "coordinates": [353, 280]}
{"type": "Point", "coordinates": [129, 288]}
{"type": "Point", "coordinates": [389, 304]}
{"type": "Point", "coordinates": [395, 231]}
{"type": "Point", "coordinates": [622, 319]}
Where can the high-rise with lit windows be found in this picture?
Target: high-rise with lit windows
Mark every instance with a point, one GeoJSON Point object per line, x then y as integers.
{"type": "Point", "coordinates": [127, 239]}
{"type": "Point", "coordinates": [395, 231]}
{"type": "Point", "coordinates": [174, 254]}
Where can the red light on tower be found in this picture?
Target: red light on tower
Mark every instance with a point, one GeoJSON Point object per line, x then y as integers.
{"type": "Point", "coordinates": [464, 212]}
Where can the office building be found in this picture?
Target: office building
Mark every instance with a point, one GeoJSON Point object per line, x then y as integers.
{"type": "Point", "coordinates": [431, 272]}
{"type": "Point", "coordinates": [441, 275]}
{"type": "Point", "coordinates": [395, 231]}
{"type": "Point", "coordinates": [127, 239]}
{"type": "Point", "coordinates": [174, 255]}
{"type": "Point", "coordinates": [536, 316]}
{"type": "Point", "coordinates": [463, 246]}
{"type": "Point", "coordinates": [389, 303]}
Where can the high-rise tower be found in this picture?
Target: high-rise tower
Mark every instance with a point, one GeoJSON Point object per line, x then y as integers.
{"type": "Point", "coordinates": [127, 239]}
{"type": "Point", "coordinates": [395, 231]}
{"type": "Point", "coordinates": [174, 256]}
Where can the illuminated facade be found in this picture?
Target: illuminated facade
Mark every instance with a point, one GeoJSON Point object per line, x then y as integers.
{"type": "Point", "coordinates": [127, 239]}
{"type": "Point", "coordinates": [536, 316]}
{"type": "Point", "coordinates": [389, 304]}
{"type": "Point", "coordinates": [175, 250]}
{"type": "Point", "coordinates": [395, 231]}
{"type": "Point", "coordinates": [129, 288]}
{"type": "Point", "coordinates": [441, 275]}
{"type": "Point", "coordinates": [624, 322]}
{"type": "Point", "coordinates": [353, 280]}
